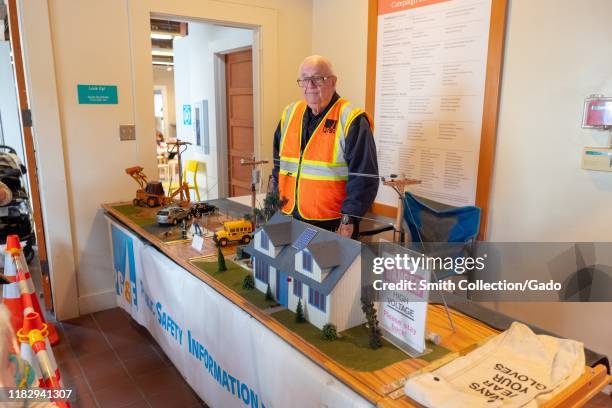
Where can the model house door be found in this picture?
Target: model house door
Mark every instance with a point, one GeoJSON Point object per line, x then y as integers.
{"type": "Point", "coordinates": [281, 288]}
{"type": "Point", "coordinates": [239, 97]}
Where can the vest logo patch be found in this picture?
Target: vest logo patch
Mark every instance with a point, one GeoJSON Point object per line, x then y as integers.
{"type": "Point", "coordinates": [330, 126]}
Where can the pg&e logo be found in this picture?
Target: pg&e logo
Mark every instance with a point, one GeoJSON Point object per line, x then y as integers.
{"type": "Point", "coordinates": [124, 265]}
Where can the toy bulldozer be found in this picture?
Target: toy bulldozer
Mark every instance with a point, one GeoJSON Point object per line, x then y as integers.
{"type": "Point", "coordinates": [150, 193]}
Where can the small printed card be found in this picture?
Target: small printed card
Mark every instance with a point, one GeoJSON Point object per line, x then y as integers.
{"type": "Point", "coordinates": [197, 243]}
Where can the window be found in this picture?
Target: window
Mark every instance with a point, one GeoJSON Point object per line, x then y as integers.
{"type": "Point", "coordinates": [262, 270]}
{"type": "Point", "coordinates": [306, 261]}
{"type": "Point", "coordinates": [264, 241]}
{"type": "Point", "coordinates": [297, 288]}
{"type": "Point", "coordinates": [316, 299]}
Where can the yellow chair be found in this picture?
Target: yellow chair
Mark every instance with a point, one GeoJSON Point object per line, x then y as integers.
{"type": "Point", "coordinates": [191, 170]}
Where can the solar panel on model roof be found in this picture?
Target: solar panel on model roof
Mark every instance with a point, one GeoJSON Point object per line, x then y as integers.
{"type": "Point", "coordinates": [304, 239]}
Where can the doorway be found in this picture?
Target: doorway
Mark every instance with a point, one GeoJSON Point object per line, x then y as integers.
{"type": "Point", "coordinates": [192, 60]}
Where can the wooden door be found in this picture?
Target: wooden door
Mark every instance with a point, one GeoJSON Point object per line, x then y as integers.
{"type": "Point", "coordinates": [239, 97]}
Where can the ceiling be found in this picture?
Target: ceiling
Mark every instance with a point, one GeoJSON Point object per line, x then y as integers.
{"type": "Point", "coordinates": [163, 34]}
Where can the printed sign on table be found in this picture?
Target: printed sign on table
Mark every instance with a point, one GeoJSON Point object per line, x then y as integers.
{"type": "Point", "coordinates": [403, 313]}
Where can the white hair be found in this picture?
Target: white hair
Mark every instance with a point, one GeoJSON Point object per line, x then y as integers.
{"type": "Point", "coordinates": [319, 60]}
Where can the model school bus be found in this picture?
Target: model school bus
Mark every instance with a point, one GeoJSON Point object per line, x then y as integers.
{"type": "Point", "coordinates": [234, 231]}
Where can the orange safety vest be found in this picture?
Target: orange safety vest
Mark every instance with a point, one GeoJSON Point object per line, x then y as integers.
{"type": "Point", "coordinates": [320, 174]}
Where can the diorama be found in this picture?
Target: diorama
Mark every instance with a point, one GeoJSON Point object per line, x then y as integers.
{"type": "Point", "coordinates": [307, 278]}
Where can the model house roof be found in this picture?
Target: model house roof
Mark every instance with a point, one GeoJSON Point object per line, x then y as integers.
{"type": "Point", "coordinates": [327, 248]}
{"type": "Point", "coordinates": [279, 233]}
{"type": "Point", "coordinates": [326, 253]}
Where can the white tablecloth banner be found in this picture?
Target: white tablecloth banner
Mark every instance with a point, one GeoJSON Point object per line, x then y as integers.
{"type": "Point", "coordinates": [229, 358]}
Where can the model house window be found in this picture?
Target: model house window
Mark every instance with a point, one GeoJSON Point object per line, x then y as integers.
{"type": "Point", "coordinates": [264, 241]}
{"type": "Point", "coordinates": [316, 299]}
{"type": "Point", "coordinates": [306, 261]}
{"type": "Point", "coordinates": [297, 288]}
{"type": "Point", "coordinates": [262, 270]}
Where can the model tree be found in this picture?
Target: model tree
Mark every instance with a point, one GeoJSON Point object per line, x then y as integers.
{"type": "Point", "coordinates": [299, 313]}
{"type": "Point", "coordinates": [329, 332]}
{"type": "Point", "coordinates": [272, 203]}
{"type": "Point", "coordinates": [269, 296]}
{"type": "Point", "coordinates": [248, 282]}
{"type": "Point", "coordinates": [373, 330]}
{"type": "Point", "coordinates": [220, 260]}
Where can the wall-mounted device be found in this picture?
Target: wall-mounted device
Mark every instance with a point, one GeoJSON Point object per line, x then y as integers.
{"type": "Point", "coordinates": [597, 112]}
{"type": "Point", "coordinates": [598, 115]}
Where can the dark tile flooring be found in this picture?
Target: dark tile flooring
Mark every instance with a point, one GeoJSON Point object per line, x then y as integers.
{"type": "Point", "coordinates": [112, 362]}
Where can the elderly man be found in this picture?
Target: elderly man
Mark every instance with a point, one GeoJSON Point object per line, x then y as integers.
{"type": "Point", "coordinates": [325, 162]}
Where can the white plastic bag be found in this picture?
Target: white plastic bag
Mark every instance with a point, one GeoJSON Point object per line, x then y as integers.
{"type": "Point", "coordinates": [514, 369]}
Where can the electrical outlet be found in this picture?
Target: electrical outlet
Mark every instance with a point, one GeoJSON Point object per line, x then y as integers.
{"type": "Point", "coordinates": [127, 132]}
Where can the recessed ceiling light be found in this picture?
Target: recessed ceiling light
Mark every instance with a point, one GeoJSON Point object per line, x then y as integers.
{"type": "Point", "coordinates": [161, 36]}
{"type": "Point", "coordinates": [162, 53]}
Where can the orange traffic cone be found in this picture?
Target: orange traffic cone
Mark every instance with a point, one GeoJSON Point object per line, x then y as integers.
{"type": "Point", "coordinates": [35, 342]}
{"type": "Point", "coordinates": [11, 295]}
{"type": "Point", "coordinates": [16, 271]}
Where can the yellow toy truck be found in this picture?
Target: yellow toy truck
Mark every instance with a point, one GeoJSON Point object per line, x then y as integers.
{"type": "Point", "coordinates": [234, 231]}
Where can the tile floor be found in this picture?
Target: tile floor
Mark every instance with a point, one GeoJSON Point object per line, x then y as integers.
{"type": "Point", "coordinates": [112, 362]}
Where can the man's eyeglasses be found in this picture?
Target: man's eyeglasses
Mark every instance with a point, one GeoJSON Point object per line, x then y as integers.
{"type": "Point", "coordinates": [316, 80]}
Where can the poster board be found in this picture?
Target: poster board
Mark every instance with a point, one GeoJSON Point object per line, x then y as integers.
{"type": "Point", "coordinates": [418, 118]}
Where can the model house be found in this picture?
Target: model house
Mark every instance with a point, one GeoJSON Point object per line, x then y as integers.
{"type": "Point", "coordinates": [300, 261]}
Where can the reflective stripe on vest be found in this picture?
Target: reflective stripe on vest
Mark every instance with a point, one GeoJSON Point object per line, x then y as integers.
{"type": "Point", "coordinates": [317, 177]}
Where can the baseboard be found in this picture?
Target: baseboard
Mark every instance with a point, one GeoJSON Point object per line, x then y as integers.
{"type": "Point", "coordinates": [95, 302]}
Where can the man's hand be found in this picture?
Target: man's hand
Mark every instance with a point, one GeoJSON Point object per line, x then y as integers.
{"type": "Point", "coordinates": [345, 230]}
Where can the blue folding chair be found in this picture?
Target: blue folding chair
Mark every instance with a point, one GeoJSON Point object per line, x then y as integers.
{"type": "Point", "coordinates": [441, 230]}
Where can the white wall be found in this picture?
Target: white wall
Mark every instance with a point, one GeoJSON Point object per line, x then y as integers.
{"type": "Point", "coordinates": [315, 316]}
{"type": "Point", "coordinates": [195, 81]}
{"type": "Point", "coordinates": [272, 251]}
{"type": "Point", "coordinates": [9, 111]}
{"type": "Point", "coordinates": [315, 274]}
{"type": "Point", "coordinates": [164, 78]}
{"type": "Point", "coordinates": [557, 53]}
{"type": "Point", "coordinates": [345, 310]}
{"type": "Point", "coordinates": [79, 152]}
{"type": "Point", "coordinates": [340, 30]}
{"type": "Point", "coordinates": [95, 158]}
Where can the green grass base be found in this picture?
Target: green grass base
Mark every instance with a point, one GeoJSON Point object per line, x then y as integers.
{"type": "Point", "coordinates": [233, 278]}
{"type": "Point", "coordinates": [135, 215]}
{"type": "Point", "coordinates": [352, 350]}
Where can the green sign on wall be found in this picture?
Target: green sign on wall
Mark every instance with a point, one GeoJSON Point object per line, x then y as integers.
{"type": "Point", "coordinates": [97, 94]}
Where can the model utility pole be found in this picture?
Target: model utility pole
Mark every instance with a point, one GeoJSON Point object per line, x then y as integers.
{"type": "Point", "coordinates": [399, 185]}
{"type": "Point", "coordinates": [184, 191]}
{"type": "Point", "coordinates": [255, 177]}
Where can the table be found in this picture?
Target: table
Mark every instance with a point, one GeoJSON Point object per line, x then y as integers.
{"type": "Point", "coordinates": [267, 342]}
